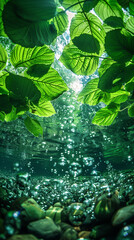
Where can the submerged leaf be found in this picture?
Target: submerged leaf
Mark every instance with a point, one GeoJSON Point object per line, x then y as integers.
{"type": "Point", "coordinates": [81, 63]}
{"type": "Point", "coordinates": [26, 57]}
{"type": "Point", "coordinates": [33, 126]}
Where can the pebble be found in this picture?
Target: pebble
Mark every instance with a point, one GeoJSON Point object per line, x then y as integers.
{"type": "Point", "coordinates": [45, 228]}
{"type": "Point", "coordinates": [32, 211]}
{"type": "Point", "coordinates": [123, 215]}
{"type": "Point", "coordinates": [23, 237]}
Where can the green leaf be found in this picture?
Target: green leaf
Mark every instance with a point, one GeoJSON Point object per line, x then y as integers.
{"type": "Point", "coordinates": [114, 22]}
{"type": "Point", "coordinates": [131, 110]}
{"type": "Point", "coordinates": [105, 117]}
{"type": "Point", "coordinates": [105, 64]}
{"type": "Point", "coordinates": [33, 126]}
{"type": "Point", "coordinates": [2, 116]}
{"type": "Point", "coordinates": [129, 86]}
{"type": "Point", "coordinates": [124, 3]}
{"type": "Point", "coordinates": [130, 24]}
{"type": "Point", "coordinates": [131, 7]}
{"type": "Point", "coordinates": [22, 88]}
{"type": "Point", "coordinates": [119, 97]}
{"type": "Point", "coordinates": [51, 85]}
{"type": "Point", "coordinates": [3, 88]}
{"type": "Point", "coordinates": [26, 57]}
{"type": "Point", "coordinates": [33, 10]}
{"type": "Point", "coordinates": [61, 22]}
{"type": "Point", "coordinates": [24, 32]}
{"type": "Point", "coordinates": [11, 116]}
{"type": "Point", "coordinates": [91, 94]}
{"type": "Point", "coordinates": [81, 63]}
{"type": "Point", "coordinates": [3, 57]}
{"type": "Point", "coordinates": [36, 71]}
{"type": "Point", "coordinates": [119, 45]}
{"type": "Point", "coordinates": [2, 32]}
{"type": "Point", "coordinates": [87, 33]}
{"type": "Point", "coordinates": [78, 5]}
{"type": "Point", "coordinates": [109, 80]}
{"type": "Point", "coordinates": [44, 109]}
{"type": "Point", "coordinates": [107, 8]}
{"type": "Point", "coordinates": [5, 105]}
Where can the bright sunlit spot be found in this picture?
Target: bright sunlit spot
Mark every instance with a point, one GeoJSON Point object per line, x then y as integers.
{"type": "Point", "coordinates": [70, 16]}
{"type": "Point", "coordinates": [76, 86]}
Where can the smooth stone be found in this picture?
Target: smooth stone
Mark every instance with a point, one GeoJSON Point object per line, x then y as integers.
{"type": "Point", "coordinates": [32, 211]}
{"type": "Point", "coordinates": [45, 228]}
{"type": "Point", "coordinates": [23, 237]}
{"type": "Point", "coordinates": [124, 214]}
{"type": "Point", "coordinates": [69, 234]}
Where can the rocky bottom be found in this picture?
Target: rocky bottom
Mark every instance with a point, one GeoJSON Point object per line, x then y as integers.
{"type": "Point", "coordinates": [100, 206]}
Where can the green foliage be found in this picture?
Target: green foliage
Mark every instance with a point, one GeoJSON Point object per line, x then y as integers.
{"type": "Point", "coordinates": [108, 8]}
{"type": "Point", "coordinates": [87, 33]}
{"type": "Point", "coordinates": [120, 45]}
{"type": "Point", "coordinates": [79, 62]}
{"type": "Point", "coordinates": [106, 116]}
{"type": "Point", "coordinates": [107, 34]}
{"type": "Point", "coordinates": [3, 57]}
{"type": "Point", "coordinates": [60, 22]}
{"type": "Point", "coordinates": [92, 95]}
{"type": "Point", "coordinates": [50, 85]}
{"type": "Point", "coordinates": [26, 57]}
{"type": "Point", "coordinates": [33, 126]}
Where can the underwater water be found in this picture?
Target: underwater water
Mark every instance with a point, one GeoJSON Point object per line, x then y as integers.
{"type": "Point", "coordinates": [76, 181]}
